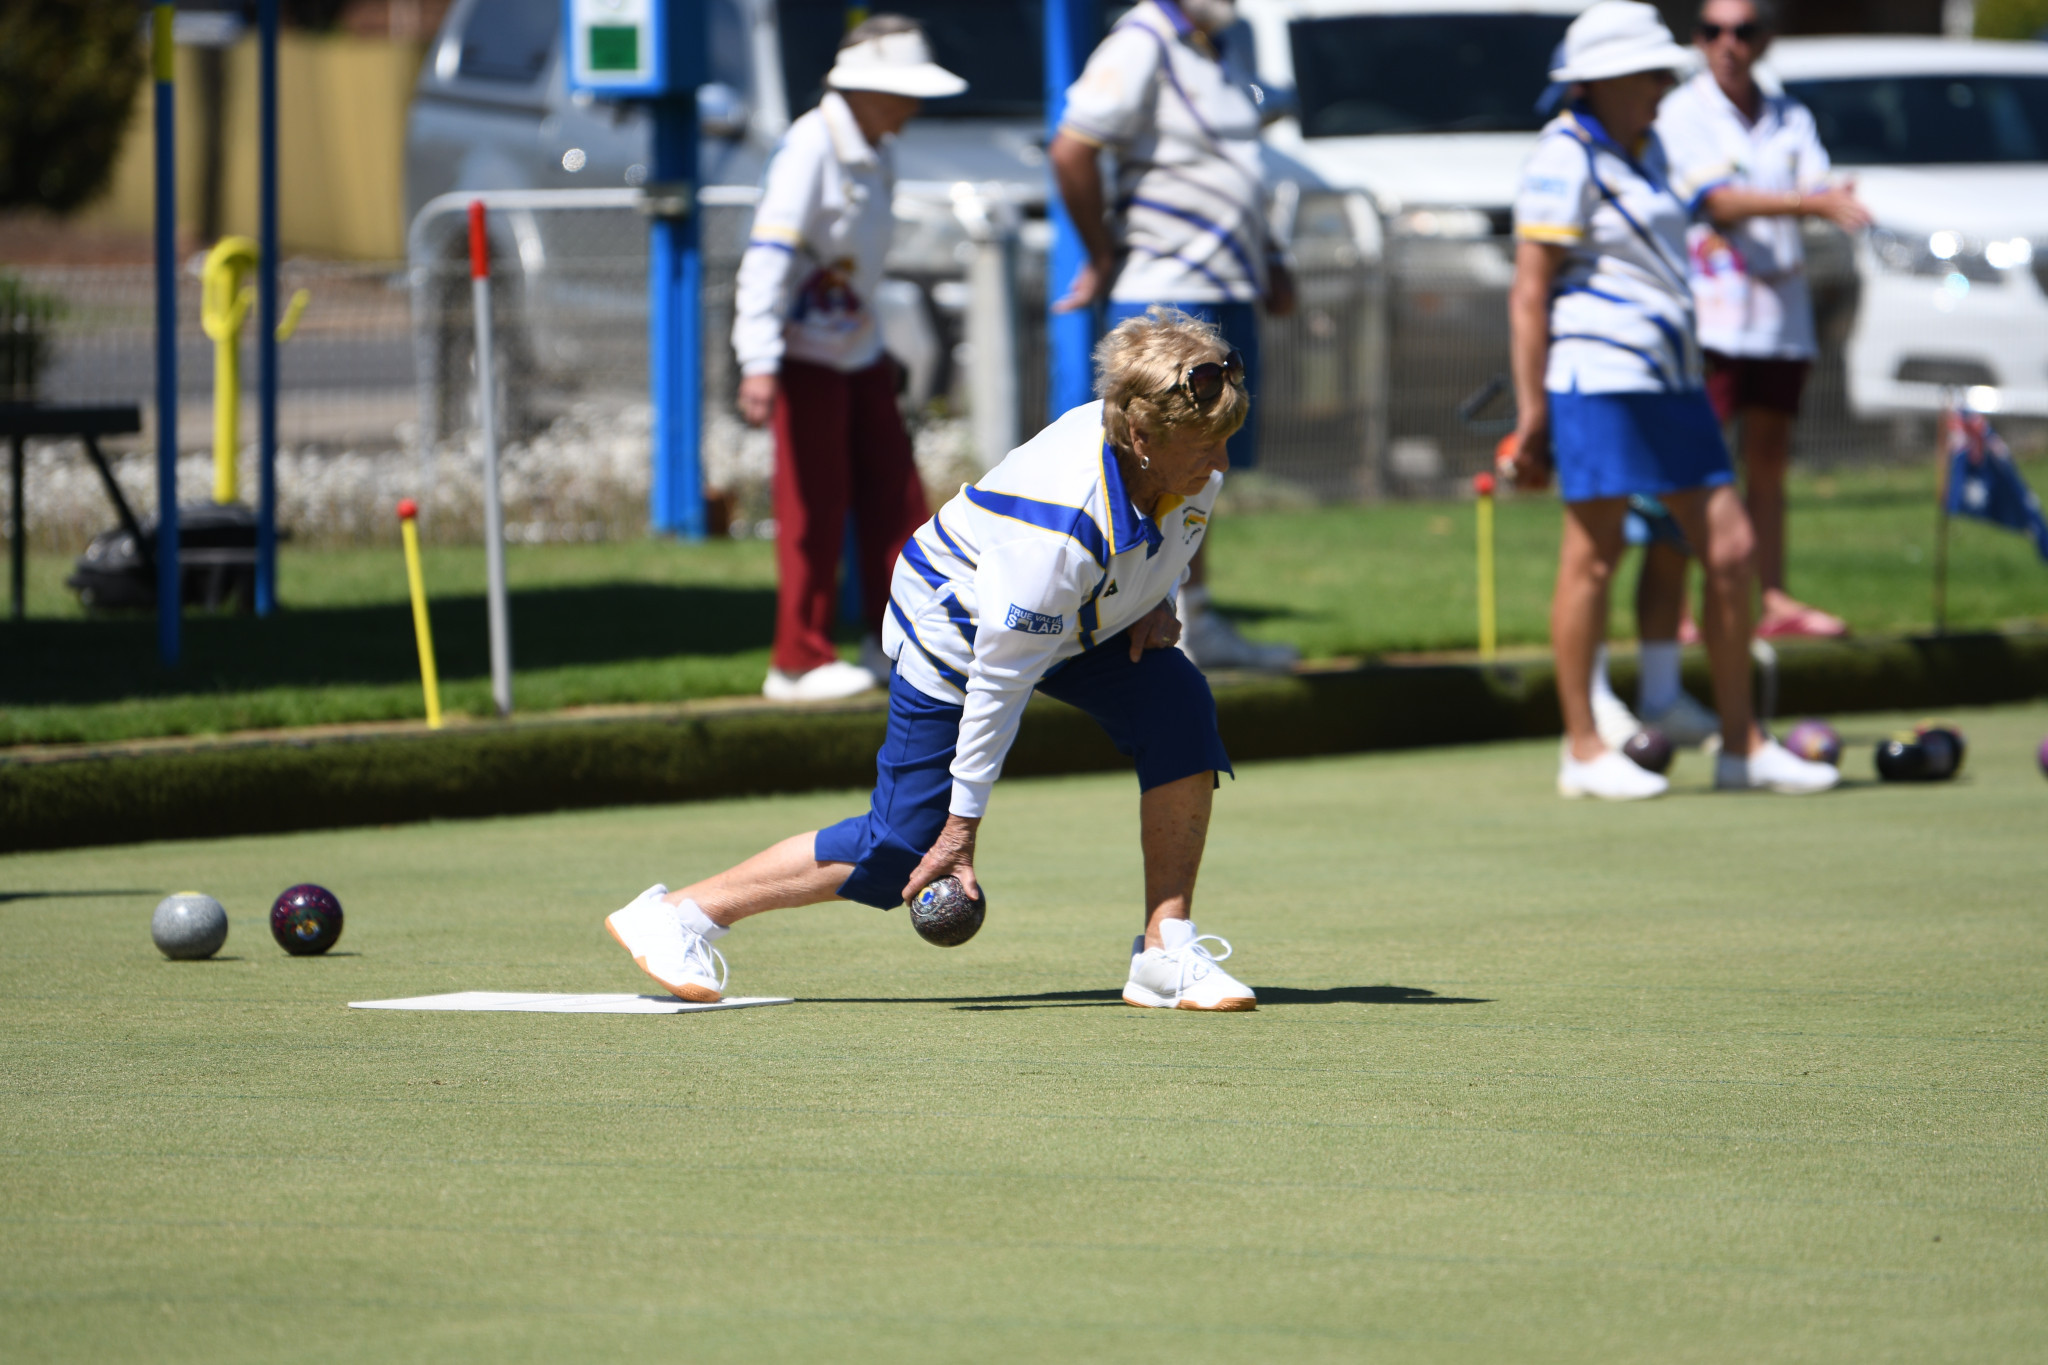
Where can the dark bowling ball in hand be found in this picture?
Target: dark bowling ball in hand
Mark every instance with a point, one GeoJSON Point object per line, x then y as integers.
{"type": "Point", "coordinates": [945, 914]}
{"type": "Point", "coordinates": [1649, 749]}
{"type": "Point", "coordinates": [1901, 760]}
{"type": "Point", "coordinates": [306, 920]}
{"type": "Point", "coordinates": [1816, 742]}
{"type": "Point", "coordinates": [1945, 751]}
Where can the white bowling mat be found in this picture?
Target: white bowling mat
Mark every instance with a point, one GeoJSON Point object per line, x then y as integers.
{"type": "Point", "coordinates": [543, 1003]}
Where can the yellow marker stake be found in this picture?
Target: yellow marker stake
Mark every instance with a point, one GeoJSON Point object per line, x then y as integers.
{"type": "Point", "coordinates": [430, 681]}
{"type": "Point", "coordinates": [1483, 485]}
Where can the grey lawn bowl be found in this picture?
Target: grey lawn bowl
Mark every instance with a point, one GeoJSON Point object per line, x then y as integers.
{"type": "Point", "coordinates": [189, 924]}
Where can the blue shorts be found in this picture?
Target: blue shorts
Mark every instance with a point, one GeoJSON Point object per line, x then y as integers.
{"type": "Point", "coordinates": [1239, 323]}
{"type": "Point", "coordinates": [1609, 445]}
{"type": "Point", "coordinates": [1158, 711]}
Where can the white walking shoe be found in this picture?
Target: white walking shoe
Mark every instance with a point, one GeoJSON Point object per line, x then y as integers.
{"type": "Point", "coordinates": [1685, 722]}
{"type": "Point", "coordinates": [1212, 642]}
{"type": "Point", "coordinates": [1184, 975]}
{"type": "Point", "coordinates": [1612, 718]}
{"type": "Point", "coordinates": [827, 682]}
{"type": "Point", "coordinates": [679, 957]}
{"type": "Point", "coordinates": [1773, 767]}
{"type": "Point", "coordinates": [1611, 777]}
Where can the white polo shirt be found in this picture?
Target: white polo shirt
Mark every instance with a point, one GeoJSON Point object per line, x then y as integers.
{"type": "Point", "coordinates": [814, 258]}
{"type": "Point", "coordinates": [1749, 282]}
{"type": "Point", "coordinates": [1041, 558]}
{"type": "Point", "coordinates": [1190, 186]}
{"type": "Point", "coordinates": [1621, 317]}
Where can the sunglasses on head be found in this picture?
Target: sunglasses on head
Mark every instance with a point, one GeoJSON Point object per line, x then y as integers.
{"type": "Point", "coordinates": [1747, 32]}
{"type": "Point", "coordinates": [1204, 382]}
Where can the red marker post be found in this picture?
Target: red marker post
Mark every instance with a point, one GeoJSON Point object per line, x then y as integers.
{"type": "Point", "coordinates": [494, 511]}
{"type": "Point", "coordinates": [1482, 487]}
{"type": "Point", "coordinates": [423, 634]}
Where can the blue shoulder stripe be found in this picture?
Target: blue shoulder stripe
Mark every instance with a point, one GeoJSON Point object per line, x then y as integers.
{"type": "Point", "coordinates": [1049, 516]}
{"type": "Point", "coordinates": [938, 525]}
{"type": "Point", "coordinates": [945, 670]}
{"type": "Point", "coordinates": [914, 556]}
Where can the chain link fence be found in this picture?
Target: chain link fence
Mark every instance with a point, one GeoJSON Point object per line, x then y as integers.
{"type": "Point", "coordinates": [1369, 386]}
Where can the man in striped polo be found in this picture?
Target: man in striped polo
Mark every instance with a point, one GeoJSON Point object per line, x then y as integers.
{"type": "Point", "coordinates": [1188, 228]}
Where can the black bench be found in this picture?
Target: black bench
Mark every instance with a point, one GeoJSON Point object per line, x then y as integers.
{"type": "Point", "coordinates": [86, 421]}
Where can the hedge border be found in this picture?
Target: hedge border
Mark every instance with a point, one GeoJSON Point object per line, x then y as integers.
{"type": "Point", "coordinates": [239, 786]}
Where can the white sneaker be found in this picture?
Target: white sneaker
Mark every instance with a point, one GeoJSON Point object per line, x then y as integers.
{"type": "Point", "coordinates": [1184, 975]}
{"type": "Point", "coordinates": [1611, 777]}
{"type": "Point", "coordinates": [1615, 722]}
{"type": "Point", "coordinates": [1685, 722]}
{"type": "Point", "coordinates": [1212, 642]}
{"type": "Point", "coordinates": [827, 682]}
{"type": "Point", "coordinates": [1773, 767]}
{"type": "Point", "coordinates": [875, 661]}
{"type": "Point", "coordinates": [680, 958]}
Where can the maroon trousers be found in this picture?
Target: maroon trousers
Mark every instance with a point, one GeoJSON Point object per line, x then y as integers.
{"type": "Point", "coordinates": [839, 445]}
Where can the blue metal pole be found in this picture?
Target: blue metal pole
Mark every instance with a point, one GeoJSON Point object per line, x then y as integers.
{"type": "Point", "coordinates": [675, 277]}
{"type": "Point", "coordinates": [169, 594]}
{"type": "Point", "coordinates": [266, 308]}
{"type": "Point", "coordinates": [1070, 32]}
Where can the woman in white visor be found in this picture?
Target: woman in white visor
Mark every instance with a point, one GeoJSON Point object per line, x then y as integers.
{"type": "Point", "coordinates": [810, 353]}
{"type": "Point", "coordinates": [1611, 394]}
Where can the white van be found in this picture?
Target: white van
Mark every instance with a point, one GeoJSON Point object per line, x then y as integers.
{"type": "Point", "coordinates": [1948, 144]}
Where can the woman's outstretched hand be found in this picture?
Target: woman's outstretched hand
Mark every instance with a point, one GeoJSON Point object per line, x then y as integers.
{"type": "Point", "coordinates": [951, 856]}
{"type": "Point", "coordinates": [1158, 628]}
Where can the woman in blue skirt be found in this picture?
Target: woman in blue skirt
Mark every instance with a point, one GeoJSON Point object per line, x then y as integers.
{"type": "Point", "coordinates": [1611, 393]}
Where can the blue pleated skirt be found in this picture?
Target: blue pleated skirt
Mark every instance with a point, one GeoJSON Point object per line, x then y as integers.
{"type": "Point", "coordinates": [1612, 445]}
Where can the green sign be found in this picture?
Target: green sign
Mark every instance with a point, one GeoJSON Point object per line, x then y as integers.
{"type": "Point", "coordinates": [614, 47]}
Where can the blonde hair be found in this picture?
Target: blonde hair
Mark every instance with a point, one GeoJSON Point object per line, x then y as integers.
{"type": "Point", "coordinates": [1139, 370]}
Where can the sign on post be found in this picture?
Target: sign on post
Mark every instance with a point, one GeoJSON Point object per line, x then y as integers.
{"type": "Point", "coordinates": [653, 50]}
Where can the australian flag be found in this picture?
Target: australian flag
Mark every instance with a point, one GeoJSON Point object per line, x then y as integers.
{"type": "Point", "coordinates": [1984, 483]}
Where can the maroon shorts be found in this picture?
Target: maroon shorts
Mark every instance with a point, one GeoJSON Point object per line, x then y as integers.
{"type": "Point", "coordinates": [1735, 382]}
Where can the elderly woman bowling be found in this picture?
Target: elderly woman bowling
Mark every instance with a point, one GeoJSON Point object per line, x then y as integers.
{"type": "Point", "coordinates": [1055, 572]}
{"type": "Point", "coordinates": [1611, 397]}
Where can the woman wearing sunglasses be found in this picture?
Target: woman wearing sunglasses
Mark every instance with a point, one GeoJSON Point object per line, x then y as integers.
{"type": "Point", "coordinates": [1753, 161]}
{"type": "Point", "coordinates": [1056, 572]}
{"type": "Point", "coordinates": [1610, 391]}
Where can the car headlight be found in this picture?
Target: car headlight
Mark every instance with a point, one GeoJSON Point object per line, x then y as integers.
{"type": "Point", "coordinates": [1443, 224]}
{"type": "Point", "coordinates": [1946, 253]}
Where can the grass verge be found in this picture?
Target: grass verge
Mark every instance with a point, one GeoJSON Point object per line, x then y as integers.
{"type": "Point", "coordinates": [1708, 1079]}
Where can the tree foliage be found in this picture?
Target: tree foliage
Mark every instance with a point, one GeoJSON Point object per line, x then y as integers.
{"type": "Point", "coordinates": [2011, 18]}
{"type": "Point", "coordinates": [68, 76]}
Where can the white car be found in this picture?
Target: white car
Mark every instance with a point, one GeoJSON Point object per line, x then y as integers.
{"type": "Point", "coordinates": [1947, 142]}
{"type": "Point", "coordinates": [1426, 104]}
{"type": "Point", "coordinates": [1429, 108]}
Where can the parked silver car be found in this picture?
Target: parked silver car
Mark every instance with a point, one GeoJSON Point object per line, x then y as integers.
{"type": "Point", "coordinates": [492, 112]}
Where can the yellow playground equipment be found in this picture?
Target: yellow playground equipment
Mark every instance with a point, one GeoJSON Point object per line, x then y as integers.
{"type": "Point", "coordinates": [225, 297]}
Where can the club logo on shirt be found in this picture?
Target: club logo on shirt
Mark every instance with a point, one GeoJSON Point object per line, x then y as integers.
{"type": "Point", "coordinates": [1034, 622]}
{"type": "Point", "coordinates": [1111, 592]}
{"type": "Point", "coordinates": [1191, 525]}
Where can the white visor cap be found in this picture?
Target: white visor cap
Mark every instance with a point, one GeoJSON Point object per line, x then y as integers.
{"type": "Point", "coordinates": [1618, 38]}
{"type": "Point", "coordinates": [894, 64]}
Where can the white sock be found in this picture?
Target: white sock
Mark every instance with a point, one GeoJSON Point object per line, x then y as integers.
{"type": "Point", "coordinates": [1657, 683]}
{"type": "Point", "coordinates": [693, 917]}
{"type": "Point", "coordinates": [1601, 686]}
{"type": "Point", "coordinates": [1176, 933]}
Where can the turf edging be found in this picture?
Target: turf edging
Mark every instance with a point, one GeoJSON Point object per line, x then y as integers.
{"type": "Point", "coordinates": [230, 787]}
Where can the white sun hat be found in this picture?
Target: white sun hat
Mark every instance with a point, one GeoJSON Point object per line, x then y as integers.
{"type": "Point", "coordinates": [894, 64]}
{"type": "Point", "coordinates": [1618, 38]}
